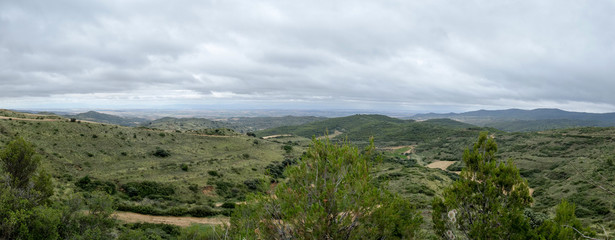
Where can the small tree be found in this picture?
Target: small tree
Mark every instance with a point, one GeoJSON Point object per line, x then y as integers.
{"type": "Point", "coordinates": [487, 201]}
{"type": "Point", "coordinates": [20, 161]}
{"type": "Point", "coordinates": [327, 195]}
{"type": "Point", "coordinates": [565, 225]}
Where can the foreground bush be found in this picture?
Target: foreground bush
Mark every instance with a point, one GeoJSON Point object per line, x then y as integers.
{"type": "Point", "coordinates": [327, 195]}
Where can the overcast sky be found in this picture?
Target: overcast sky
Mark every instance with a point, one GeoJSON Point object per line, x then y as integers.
{"type": "Point", "coordinates": [416, 56]}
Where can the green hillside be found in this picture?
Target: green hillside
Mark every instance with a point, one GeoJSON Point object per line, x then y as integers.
{"type": "Point", "coordinates": [107, 118]}
{"type": "Point", "coordinates": [387, 131]}
{"type": "Point", "coordinates": [200, 169]}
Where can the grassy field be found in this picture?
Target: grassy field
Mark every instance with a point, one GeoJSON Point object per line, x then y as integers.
{"type": "Point", "coordinates": [201, 170]}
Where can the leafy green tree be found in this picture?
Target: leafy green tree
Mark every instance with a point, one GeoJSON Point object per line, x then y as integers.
{"type": "Point", "coordinates": [487, 201]}
{"type": "Point", "coordinates": [327, 195]}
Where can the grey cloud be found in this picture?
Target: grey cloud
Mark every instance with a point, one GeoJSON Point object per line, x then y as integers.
{"type": "Point", "coordinates": [445, 53]}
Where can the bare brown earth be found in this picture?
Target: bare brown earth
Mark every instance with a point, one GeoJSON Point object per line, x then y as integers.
{"type": "Point", "coordinates": [178, 221]}
{"type": "Point", "coordinates": [440, 164]}
{"type": "Point", "coordinates": [334, 134]}
{"type": "Point", "coordinates": [409, 151]}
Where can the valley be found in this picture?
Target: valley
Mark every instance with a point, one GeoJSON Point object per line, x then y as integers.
{"type": "Point", "coordinates": [187, 175]}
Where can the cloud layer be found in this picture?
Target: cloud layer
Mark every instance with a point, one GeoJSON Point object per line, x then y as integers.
{"type": "Point", "coordinates": [413, 55]}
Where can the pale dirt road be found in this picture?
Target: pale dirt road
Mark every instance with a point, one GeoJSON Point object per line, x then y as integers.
{"type": "Point", "coordinates": [178, 221]}
{"type": "Point", "coordinates": [334, 134]}
{"type": "Point", "coordinates": [44, 120]}
{"type": "Point", "coordinates": [32, 119]}
{"type": "Point", "coordinates": [277, 136]}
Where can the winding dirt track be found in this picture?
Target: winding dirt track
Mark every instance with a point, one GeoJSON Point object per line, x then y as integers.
{"type": "Point", "coordinates": [178, 221]}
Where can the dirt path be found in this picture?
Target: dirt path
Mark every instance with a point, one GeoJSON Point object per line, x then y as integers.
{"type": "Point", "coordinates": [334, 134]}
{"type": "Point", "coordinates": [440, 164]}
{"type": "Point", "coordinates": [277, 136]}
{"type": "Point", "coordinates": [178, 221]}
{"type": "Point", "coordinates": [396, 147]}
{"type": "Point", "coordinates": [45, 120]}
{"type": "Point", "coordinates": [32, 119]}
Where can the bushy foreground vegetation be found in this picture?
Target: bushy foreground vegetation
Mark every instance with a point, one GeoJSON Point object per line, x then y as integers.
{"type": "Point", "coordinates": [491, 200]}
{"type": "Point", "coordinates": [329, 194]}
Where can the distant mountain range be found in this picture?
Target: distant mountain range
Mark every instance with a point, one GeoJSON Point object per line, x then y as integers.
{"type": "Point", "coordinates": [527, 120]}
{"type": "Point", "coordinates": [511, 120]}
{"type": "Point", "coordinates": [239, 124]}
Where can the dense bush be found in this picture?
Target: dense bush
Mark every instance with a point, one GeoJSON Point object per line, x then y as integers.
{"type": "Point", "coordinates": [455, 167]}
{"type": "Point", "coordinates": [276, 169]}
{"type": "Point", "coordinates": [195, 211]}
{"type": "Point", "coordinates": [287, 148]}
{"type": "Point", "coordinates": [228, 205]}
{"type": "Point", "coordinates": [329, 195]}
{"type": "Point", "coordinates": [161, 153]}
{"type": "Point", "coordinates": [226, 189]}
{"type": "Point", "coordinates": [214, 173]}
{"type": "Point", "coordinates": [202, 211]}
{"type": "Point", "coordinates": [134, 231]}
{"type": "Point", "coordinates": [87, 184]}
{"type": "Point", "coordinates": [148, 189]}
{"type": "Point", "coordinates": [253, 184]}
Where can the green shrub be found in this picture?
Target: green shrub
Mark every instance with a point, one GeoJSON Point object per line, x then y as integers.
{"type": "Point", "coordinates": [287, 148]}
{"type": "Point", "coordinates": [184, 167]}
{"type": "Point", "coordinates": [276, 169]}
{"type": "Point", "coordinates": [148, 189]}
{"type": "Point", "coordinates": [229, 190]}
{"type": "Point", "coordinates": [87, 184]}
{"type": "Point", "coordinates": [228, 205]}
{"type": "Point", "coordinates": [214, 173]}
{"type": "Point", "coordinates": [202, 211]}
{"type": "Point", "coordinates": [161, 153]}
{"type": "Point", "coordinates": [253, 184]}
{"type": "Point", "coordinates": [134, 231]}
{"type": "Point", "coordinates": [197, 231]}
{"type": "Point", "coordinates": [194, 188]}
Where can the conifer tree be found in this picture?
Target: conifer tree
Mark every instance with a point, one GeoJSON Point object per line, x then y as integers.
{"type": "Point", "coordinates": [328, 195]}
{"type": "Point", "coordinates": [487, 201]}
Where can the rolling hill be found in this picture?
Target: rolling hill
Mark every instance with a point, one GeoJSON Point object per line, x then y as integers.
{"type": "Point", "coordinates": [575, 164]}
{"type": "Point", "coordinates": [385, 130]}
{"type": "Point", "coordinates": [107, 118]}
{"type": "Point", "coordinates": [514, 120]}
